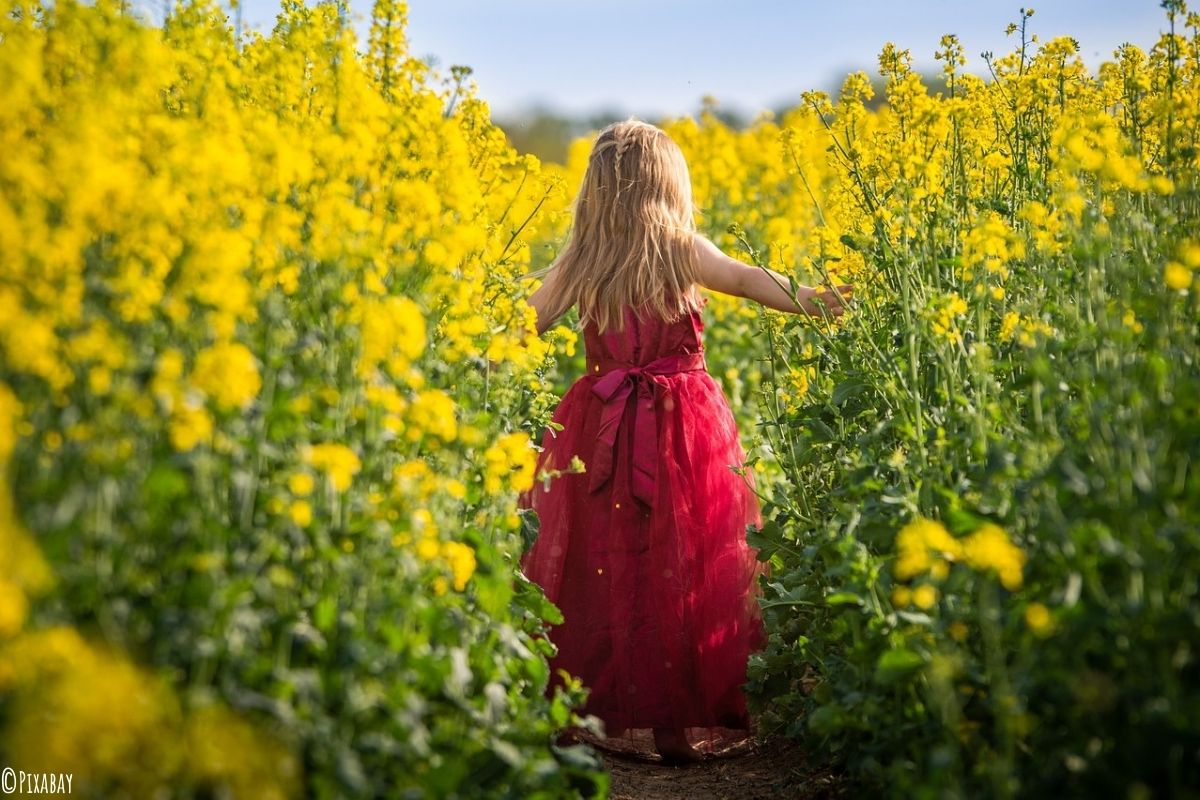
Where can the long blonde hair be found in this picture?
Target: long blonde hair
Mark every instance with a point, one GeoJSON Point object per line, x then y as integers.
{"type": "Point", "coordinates": [631, 241]}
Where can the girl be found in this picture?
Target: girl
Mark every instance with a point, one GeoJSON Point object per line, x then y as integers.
{"type": "Point", "coordinates": [645, 552]}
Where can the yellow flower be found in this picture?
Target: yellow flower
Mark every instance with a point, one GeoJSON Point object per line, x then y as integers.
{"type": "Point", "coordinates": [300, 484]}
{"type": "Point", "coordinates": [226, 750]}
{"type": "Point", "coordinates": [190, 426]}
{"type": "Point", "coordinates": [99, 380]}
{"type": "Point", "coordinates": [432, 412]}
{"type": "Point", "coordinates": [109, 714]}
{"type": "Point", "coordinates": [924, 596]}
{"type": "Point", "coordinates": [422, 522]}
{"type": "Point", "coordinates": [337, 461]}
{"type": "Point", "coordinates": [10, 412]}
{"type": "Point", "coordinates": [901, 597]}
{"type": "Point", "coordinates": [990, 549]}
{"type": "Point", "coordinates": [1161, 184]}
{"type": "Point", "coordinates": [1177, 276]}
{"type": "Point", "coordinates": [462, 562]}
{"type": "Point", "coordinates": [301, 513]}
{"type": "Point", "coordinates": [427, 548]}
{"type": "Point", "coordinates": [919, 542]}
{"type": "Point", "coordinates": [510, 457]}
{"type": "Point", "coordinates": [1189, 254]}
{"type": "Point", "coordinates": [393, 334]}
{"type": "Point", "coordinates": [228, 373]}
{"type": "Point", "coordinates": [1008, 325]}
{"type": "Point", "coordinates": [13, 609]}
{"type": "Point", "coordinates": [1039, 619]}
{"type": "Point", "coordinates": [990, 244]}
{"type": "Point", "coordinates": [945, 313]}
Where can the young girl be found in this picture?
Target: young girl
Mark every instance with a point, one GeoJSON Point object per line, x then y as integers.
{"type": "Point", "coordinates": [645, 552]}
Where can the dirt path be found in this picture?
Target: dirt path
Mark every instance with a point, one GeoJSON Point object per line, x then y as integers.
{"type": "Point", "coordinates": [771, 769]}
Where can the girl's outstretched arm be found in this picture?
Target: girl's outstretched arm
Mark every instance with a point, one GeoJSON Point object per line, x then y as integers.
{"type": "Point", "coordinates": [722, 273]}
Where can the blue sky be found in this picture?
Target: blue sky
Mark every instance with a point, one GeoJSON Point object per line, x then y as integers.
{"type": "Point", "coordinates": [654, 57]}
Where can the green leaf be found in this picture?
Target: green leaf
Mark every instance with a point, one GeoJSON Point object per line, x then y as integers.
{"type": "Point", "coordinates": [897, 664]}
{"type": "Point", "coordinates": [791, 597]}
{"type": "Point", "coordinates": [915, 617]}
{"type": "Point", "coordinates": [827, 719]}
{"type": "Point", "coordinates": [325, 613]}
{"type": "Point", "coordinates": [530, 527]}
{"type": "Point", "coordinates": [530, 597]}
{"type": "Point", "coordinates": [851, 387]}
{"type": "Point", "coordinates": [493, 595]}
{"type": "Point", "coordinates": [165, 483]}
{"type": "Point", "coordinates": [560, 713]}
{"type": "Point", "coordinates": [508, 753]}
{"type": "Point", "coordinates": [766, 540]}
{"type": "Point", "coordinates": [843, 598]}
{"type": "Point", "coordinates": [820, 431]}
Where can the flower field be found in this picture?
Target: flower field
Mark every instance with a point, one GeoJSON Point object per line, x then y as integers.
{"type": "Point", "coordinates": [269, 391]}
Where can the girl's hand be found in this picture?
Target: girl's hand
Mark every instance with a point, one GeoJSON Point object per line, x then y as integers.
{"type": "Point", "coordinates": [830, 301]}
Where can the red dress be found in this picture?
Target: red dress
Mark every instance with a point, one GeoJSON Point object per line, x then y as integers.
{"type": "Point", "coordinates": [645, 553]}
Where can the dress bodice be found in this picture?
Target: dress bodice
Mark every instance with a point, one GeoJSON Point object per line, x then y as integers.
{"type": "Point", "coordinates": [645, 338]}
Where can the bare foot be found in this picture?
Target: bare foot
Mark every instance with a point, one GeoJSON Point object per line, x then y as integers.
{"type": "Point", "coordinates": [674, 747]}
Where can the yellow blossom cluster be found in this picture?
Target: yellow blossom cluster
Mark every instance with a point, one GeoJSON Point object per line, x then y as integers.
{"type": "Point", "coordinates": [944, 315]}
{"type": "Point", "coordinates": [1045, 227]}
{"type": "Point", "coordinates": [458, 557]}
{"type": "Point", "coordinates": [227, 373]}
{"type": "Point", "coordinates": [337, 461]}
{"type": "Point", "coordinates": [461, 559]}
{"type": "Point", "coordinates": [432, 413]}
{"type": "Point", "coordinates": [992, 245]}
{"type": "Point", "coordinates": [393, 334]}
{"type": "Point", "coordinates": [926, 546]}
{"type": "Point", "coordinates": [1039, 619]}
{"type": "Point", "coordinates": [1024, 329]}
{"type": "Point", "coordinates": [511, 460]}
{"type": "Point", "coordinates": [128, 733]}
{"type": "Point", "coordinates": [1093, 143]}
{"type": "Point", "coordinates": [1180, 273]}
{"type": "Point", "coordinates": [989, 548]}
{"type": "Point", "coordinates": [921, 544]}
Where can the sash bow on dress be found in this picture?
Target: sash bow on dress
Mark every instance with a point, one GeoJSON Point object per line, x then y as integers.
{"type": "Point", "coordinates": [618, 380]}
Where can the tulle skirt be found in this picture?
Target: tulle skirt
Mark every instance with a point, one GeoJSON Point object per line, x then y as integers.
{"type": "Point", "coordinates": [659, 599]}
